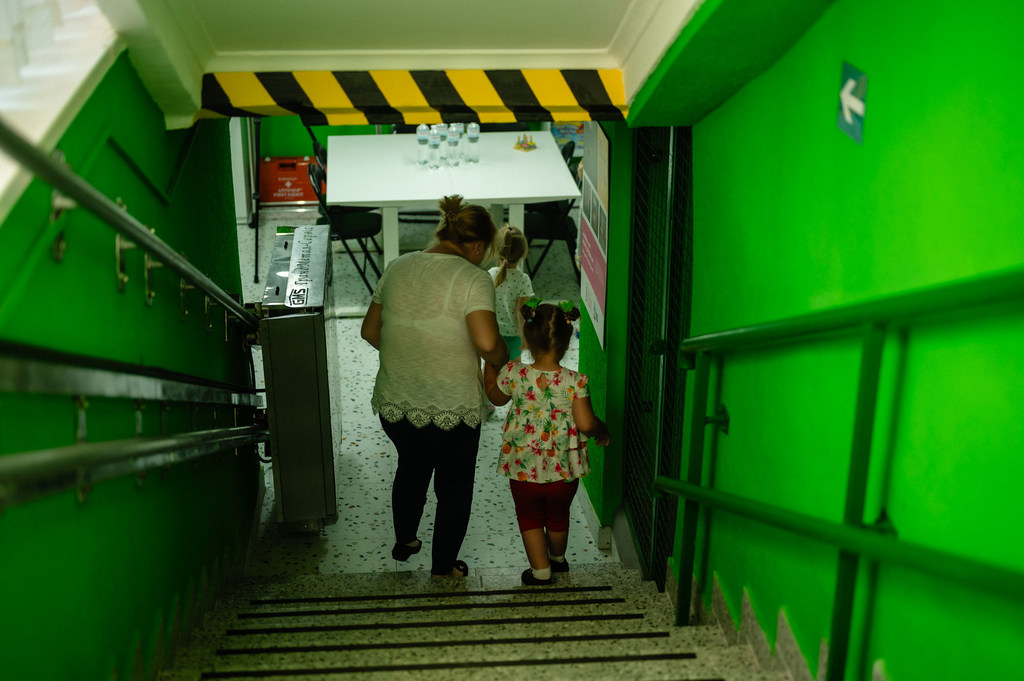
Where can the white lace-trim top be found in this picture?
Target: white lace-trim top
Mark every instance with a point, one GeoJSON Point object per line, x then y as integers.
{"type": "Point", "coordinates": [517, 285]}
{"type": "Point", "coordinates": [429, 369]}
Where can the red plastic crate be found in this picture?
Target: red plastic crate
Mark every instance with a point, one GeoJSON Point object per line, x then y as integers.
{"type": "Point", "coordinates": [284, 180]}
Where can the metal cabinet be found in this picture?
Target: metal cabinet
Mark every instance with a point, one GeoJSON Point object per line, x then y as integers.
{"type": "Point", "coordinates": [294, 344]}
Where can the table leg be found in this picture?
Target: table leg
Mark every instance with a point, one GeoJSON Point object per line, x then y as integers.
{"type": "Point", "coordinates": [516, 213]}
{"type": "Point", "coordinates": [498, 214]}
{"type": "Point", "coordinates": [389, 227]}
{"type": "Point", "coordinates": [516, 216]}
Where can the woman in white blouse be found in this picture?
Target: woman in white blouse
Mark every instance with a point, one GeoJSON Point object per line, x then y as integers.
{"type": "Point", "coordinates": [431, 407]}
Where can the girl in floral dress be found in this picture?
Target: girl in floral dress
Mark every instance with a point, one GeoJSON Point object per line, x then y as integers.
{"type": "Point", "coordinates": [544, 444]}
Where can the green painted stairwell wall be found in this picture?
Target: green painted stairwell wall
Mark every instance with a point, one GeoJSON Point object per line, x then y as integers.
{"type": "Point", "coordinates": [791, 216]}
{"type": "Point", "coordinates": [99, 586]}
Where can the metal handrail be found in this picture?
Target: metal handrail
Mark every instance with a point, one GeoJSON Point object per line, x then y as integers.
{"type": "Point", "coordinates": [87, 196]}
{"type": "Point", "coordinates": [28, 375]}
{"type": "Point", "coordinates": [872, 543]}
{"type": "Point", "coordinates": [984, 289]}
{"type": "Point", "coordinates": [871, 319]}
{"type": "Point", "coordinates": [33, 474]}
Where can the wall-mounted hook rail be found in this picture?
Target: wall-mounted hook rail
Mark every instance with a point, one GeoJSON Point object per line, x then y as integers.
{"type": "Point", "coordinates": [90, 198]}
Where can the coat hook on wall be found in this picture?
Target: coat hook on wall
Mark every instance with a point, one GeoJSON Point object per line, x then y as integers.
{"type": "Point", "coordinates": [139, 406]}
{"type": "Point", "coordinates": [208, 304]}
{"type": "Point", "coordinates": [185, 286]}
{"type": "Point", "coordinates": [150, 263]}
{"type": "Point", "coordinates": [120, 246]}
{"type": "Point", "coordinates": [720, 419]}
{"type": "Point", "coordinates": [83, 486]}
{"type": "Point", "coordinates": [231, 320]}
{"type": "Point", "coordinates": [59, 204]}
{"type": "Point", "coordinates": [59, 246]}
{"type": "Point", "coordinates": [81, 404]}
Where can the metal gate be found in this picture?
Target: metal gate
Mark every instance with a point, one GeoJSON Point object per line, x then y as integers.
{"type": "Point", "coordinates": [659, 318]}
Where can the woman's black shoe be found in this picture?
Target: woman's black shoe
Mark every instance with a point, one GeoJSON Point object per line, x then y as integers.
{"type": "Point", "coordinates": [401, 552]}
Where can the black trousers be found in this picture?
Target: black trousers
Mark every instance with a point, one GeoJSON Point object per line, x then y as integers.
{"type": "Point", "coordinates": [450, 457]}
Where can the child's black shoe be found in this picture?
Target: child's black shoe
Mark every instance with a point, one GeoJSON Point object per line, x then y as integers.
{"type": "Point", "coordinates": [530, 580]}
{"type": "Point", "coordinates": [559, 567]}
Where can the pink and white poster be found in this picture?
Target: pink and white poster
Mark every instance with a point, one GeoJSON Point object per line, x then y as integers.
{"type": "Point", "coordinates": [594, 226]}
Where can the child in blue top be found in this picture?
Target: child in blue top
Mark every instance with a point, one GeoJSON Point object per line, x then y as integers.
{"type": "Point", "coordinates": [544, 443]}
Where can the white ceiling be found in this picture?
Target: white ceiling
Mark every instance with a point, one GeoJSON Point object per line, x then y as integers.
{"type": "Point", "coordinates": [173, 42]}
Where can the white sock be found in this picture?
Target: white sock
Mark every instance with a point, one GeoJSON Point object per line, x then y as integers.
{"type": "Point", "coordinates": [557, 559]}
{"type": "Point", "coordinates": [542, 574]}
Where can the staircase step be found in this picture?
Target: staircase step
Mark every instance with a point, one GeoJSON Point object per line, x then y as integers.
{"type": "Point", "coordinates": [595, 622]}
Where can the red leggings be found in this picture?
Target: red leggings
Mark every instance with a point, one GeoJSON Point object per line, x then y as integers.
{"type": "Point", "coordinates": [543, 505]}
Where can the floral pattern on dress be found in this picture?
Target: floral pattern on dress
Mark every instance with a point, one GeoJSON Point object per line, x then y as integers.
{"type": "Point", "coordinates": [540, 441]}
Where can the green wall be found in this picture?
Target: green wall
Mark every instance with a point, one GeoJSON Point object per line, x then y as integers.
{"type": "Point", "coordinates": [607, 381]}
{"type": "Point", "coordinates": [287, 136]}
{"type": "Point", "coordinates": [792, 216]}
{"type": "Point", "coordinates": [93, 586]}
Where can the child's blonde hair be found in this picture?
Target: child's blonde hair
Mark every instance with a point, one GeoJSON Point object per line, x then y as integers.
{"type": "Point", "coordinates": [513, 249]}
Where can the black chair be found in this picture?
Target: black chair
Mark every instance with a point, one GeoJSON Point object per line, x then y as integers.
{"type": "Point", "coordinates": [320, 155]}
{"type": "Point", "coordinates": [551, 228]}
{"type": "Point", "coordinates": [568, 149]}
{"type": "Point", "coordinates": [347, 226]}
{"type": "Point", "coordinates": [553, 208]}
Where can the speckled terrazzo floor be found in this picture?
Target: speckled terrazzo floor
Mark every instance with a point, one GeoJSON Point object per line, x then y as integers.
{"type": "Point", "coordinates": [335, 605]}
{"type": "Point", "coordinates": [361, 540]}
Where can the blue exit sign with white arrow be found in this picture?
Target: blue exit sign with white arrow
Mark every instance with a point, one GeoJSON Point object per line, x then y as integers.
{"type": "Point", "coordinates": [853, 90]}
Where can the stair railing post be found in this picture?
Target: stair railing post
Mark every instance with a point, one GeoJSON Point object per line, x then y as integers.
{"type": "Point", "coordinates": [695, 460]}
{"type": "Point", "coordinates": [856, 488]}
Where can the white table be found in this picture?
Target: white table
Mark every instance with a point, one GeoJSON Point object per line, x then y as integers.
{"type": "Point", "coordinates": [381, 170]}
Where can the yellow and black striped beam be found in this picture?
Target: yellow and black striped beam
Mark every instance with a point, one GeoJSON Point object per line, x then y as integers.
{"type": "Point", "coordinates": [414, 97]}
